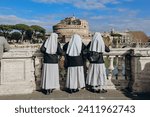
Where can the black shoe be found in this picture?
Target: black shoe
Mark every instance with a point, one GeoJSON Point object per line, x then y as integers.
{"type": "Point", "coordinates": [47, 92]}
{"type": "Point", "coordinates": [93, 90]}
{"type": "Point", "coordinates": [69, 91]}
{"type": "Point", "coordinates": [101, 91]}
{"type": "Point", "coordinates": [44, 91]}
{"type": "Point", "coordinates": [104, 90]}
{"type": "Point", "coordinates": [51, 90]}
{"type": "Point", "coordinates": [75, 90]}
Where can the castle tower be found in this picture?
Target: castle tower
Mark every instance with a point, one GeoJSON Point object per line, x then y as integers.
{"type": "Point", "coordinates": [69, 26]}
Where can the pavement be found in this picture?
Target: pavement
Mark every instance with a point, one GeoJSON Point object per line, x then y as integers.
{"type": "Point", "coordinates": [81, 95]}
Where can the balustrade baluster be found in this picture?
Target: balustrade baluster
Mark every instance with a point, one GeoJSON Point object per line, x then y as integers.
{"type": "Point", "coordinates": [110, 85]}
{"type": "Point", "coordinates": [111, 67]}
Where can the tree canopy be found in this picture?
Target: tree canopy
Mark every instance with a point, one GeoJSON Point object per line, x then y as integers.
{"type": "Point", "coordinates": [37, 28]}
{"type": "Point", "coordinates": [27, 32]}
{"type": "Point", "coordinates": [6, 29]}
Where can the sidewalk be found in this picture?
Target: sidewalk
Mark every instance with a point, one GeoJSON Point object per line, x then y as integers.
{"type": "Point", "coordinates": [81, 95]}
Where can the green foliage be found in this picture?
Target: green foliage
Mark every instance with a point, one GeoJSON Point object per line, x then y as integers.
{"type": "Point", "coordinates": [107, 62]}
{"type": "Point", "coordinates": [37, 28]}
{"type": "Point", "coordinates": [15, 36]}
{"type": "Point", "coordinates": [22, 27]}
{"type": "Point", "coordinates": [6, 27]}
{"type": "Point", "coordinates": [5, 30]}
{"type": "Point", "coordinates": [28, 34]}
{"type": "Point", "coordinates": [38, 33]}
{"type": "Point", "coordinates": [33, 32]}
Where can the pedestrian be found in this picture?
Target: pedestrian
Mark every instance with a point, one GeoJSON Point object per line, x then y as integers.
{"type": "Point", "coordinates": [74, 50]}
{"type": "Point", "coordinates": [50, 72]}
{"type": "Point", "coordinates": [4, 47]}
{"type": "Point", "coordinates": [96, 77]}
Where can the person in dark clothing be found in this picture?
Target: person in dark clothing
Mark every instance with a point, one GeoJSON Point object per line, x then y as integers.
{"type": "Point", "coordinates": [74, 63]}
{"type": "Point", "coordinates": [50, 72]}
{"type": "Point", "coordinates": [96, 77]}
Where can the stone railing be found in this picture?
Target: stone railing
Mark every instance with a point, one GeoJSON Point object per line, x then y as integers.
{"type": "Point", "coordinates": [18, 72]}
{"type": "Point", "coordinates": [140, 70]}
{"type": "Point", "coordinates": [115, 68]}
{"type": "Point", "coordinates": [21, 70]}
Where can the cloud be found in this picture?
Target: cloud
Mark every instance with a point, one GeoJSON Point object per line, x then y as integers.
{"type": "Point", "coordinates": [98, 17]}
{"type": "Point", "coordinates": [5, 8]}
{"type": "Point", "coordinates": [12, 20]}
{"type": "Point", "coordinates": [83, 4]}
{"type": "Point", "coordinates": [119, 23]}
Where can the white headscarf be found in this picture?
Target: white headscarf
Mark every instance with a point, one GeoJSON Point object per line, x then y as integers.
{"type": "Point", "coordinates": [97, 43]}
{"type": "Point", "coordinates": [51, 44]}
{"type": "Point", "coordinates": [75, 45]}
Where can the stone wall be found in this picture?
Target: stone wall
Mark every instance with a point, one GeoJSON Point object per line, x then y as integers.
{"type": "Point", "coordinates": [140, 74]}
{"type": "Point", "coordinates": [17, 72]}
{"type": "Point", "coordinates": [21, 70]}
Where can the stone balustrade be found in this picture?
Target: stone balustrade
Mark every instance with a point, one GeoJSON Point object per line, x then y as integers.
{"type": "Point", "coordinates": [18, 72]}
{"type": "Point", "coordinates": [21, 70]}
{"type": "Point", "coordinates": [115, 65]}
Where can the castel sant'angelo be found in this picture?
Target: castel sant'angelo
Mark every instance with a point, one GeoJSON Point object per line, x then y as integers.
{"type": "Point", "coordinates": [71, 25]}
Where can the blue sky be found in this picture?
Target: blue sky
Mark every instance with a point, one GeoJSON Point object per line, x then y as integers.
{"type": "Point", "coordinates": [102, 15]}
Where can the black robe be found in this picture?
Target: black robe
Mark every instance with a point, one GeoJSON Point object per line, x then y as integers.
{"type": "Point", "coordinates": [74, 61]}
{"type": "Point", "coordinates": [51, 58]}
{"type": "Point", "coordinates": [101, 59]}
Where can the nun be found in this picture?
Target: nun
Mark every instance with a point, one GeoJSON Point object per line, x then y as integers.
{"type": "Point", "coordinates": [50, 72]}
{"type": "Point", "coordinates": [96, 77]}
{"type": "Point", "coordinates": [74, 63]}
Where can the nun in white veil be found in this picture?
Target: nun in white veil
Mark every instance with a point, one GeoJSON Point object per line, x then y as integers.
{"type": "Point", "coordinates": [50, 72]}
{"type": "Point", "coordinates": [75, 72]}
{"type": "Point", "coordinates": [96, 77]}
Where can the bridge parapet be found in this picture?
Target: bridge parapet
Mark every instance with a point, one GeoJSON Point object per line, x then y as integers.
{"type": "Point", "coordinates": [21, 70]}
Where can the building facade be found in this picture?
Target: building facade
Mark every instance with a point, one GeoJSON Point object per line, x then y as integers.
{"type": "Point", "coordinates": [71, 25]}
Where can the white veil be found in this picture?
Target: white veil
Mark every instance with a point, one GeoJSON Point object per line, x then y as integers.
{"type": "Point", "coordinates": [97, 43]}
{"type": "Point", "coordinates": [75, 45]}
{"type": "Point", "coordinates": [51, 44]}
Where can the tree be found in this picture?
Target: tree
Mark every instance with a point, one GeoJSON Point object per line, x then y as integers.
{"type": "Point", "coordinates": [37, 30]}
{"type": "Point", "coordinates": [15, 36]}
{"type": "Point", "coordinates": [28, 35]}
{"type": "Point", "coordinates": [22, 28]}
{"type": "Point", "coordinates": [6, 29]}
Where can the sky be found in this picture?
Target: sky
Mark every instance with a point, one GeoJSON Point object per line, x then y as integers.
{"type": "Point", "coordinates": [102, 15]}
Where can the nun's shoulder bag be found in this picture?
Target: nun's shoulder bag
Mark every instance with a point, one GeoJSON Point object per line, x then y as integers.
{"type": "Point", "coordinates": [93, 56]}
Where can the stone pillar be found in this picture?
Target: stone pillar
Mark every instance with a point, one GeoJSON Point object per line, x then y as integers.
{"type": "Point", "coordinates": [17, 73]}
{"type": "Point", "coordinates": [140, 71]}
{"type": "Point", "coordinates": [111, 67]}
{"type": "Point", "coordinates": [110, 85]}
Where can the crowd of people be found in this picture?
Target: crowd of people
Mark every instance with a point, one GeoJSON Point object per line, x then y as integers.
{"type": "Point", "coordinates": [75, 53]}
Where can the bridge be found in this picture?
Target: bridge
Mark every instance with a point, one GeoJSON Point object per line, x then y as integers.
{"type": "Point", "coordinates": [126, 68]}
